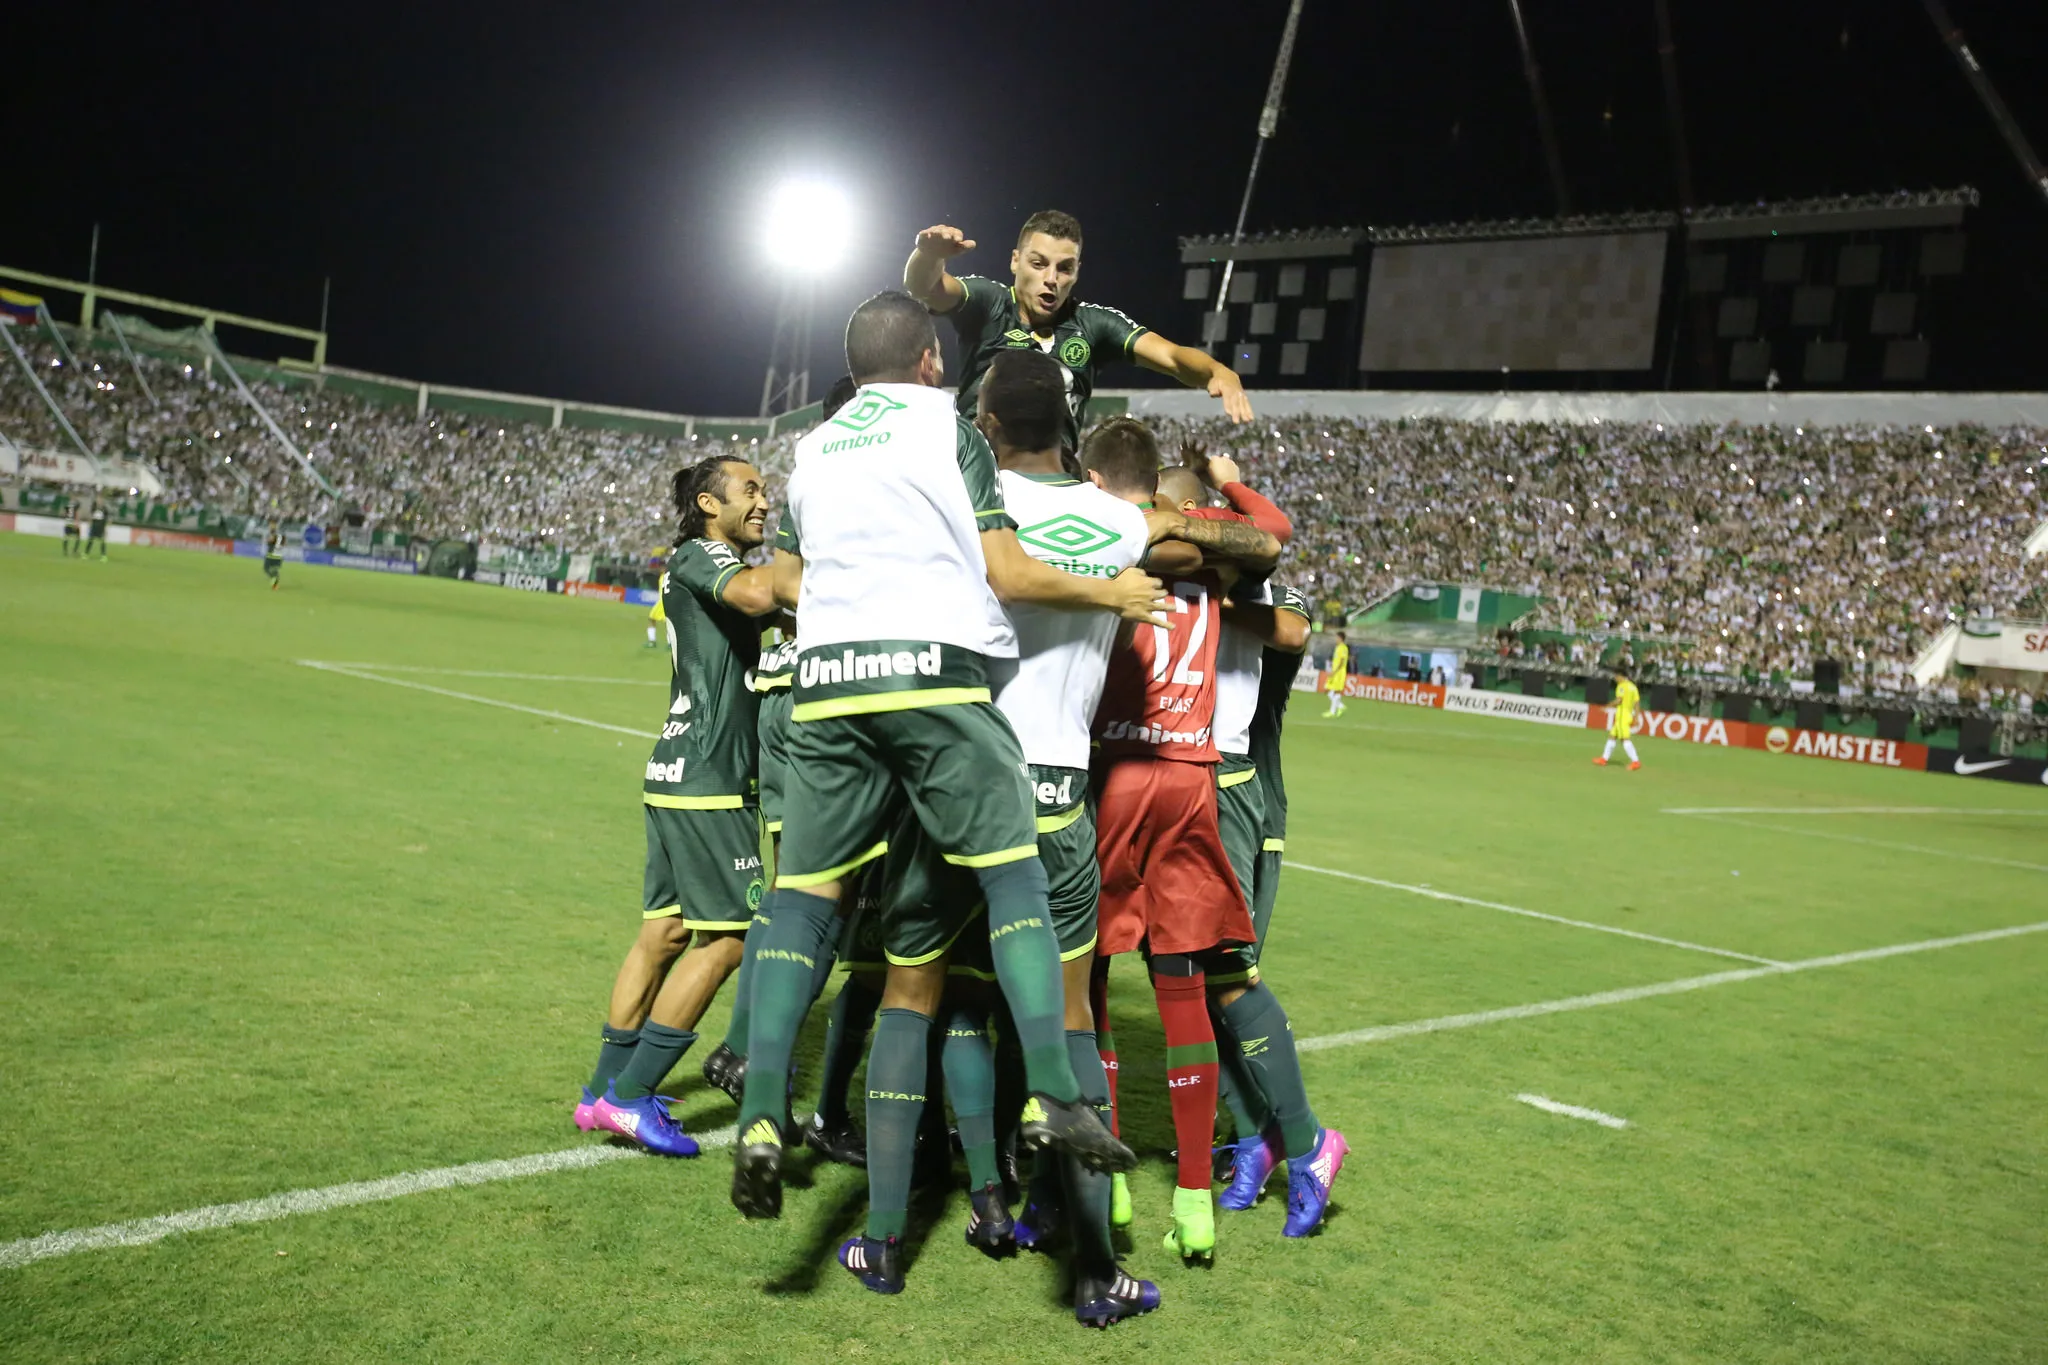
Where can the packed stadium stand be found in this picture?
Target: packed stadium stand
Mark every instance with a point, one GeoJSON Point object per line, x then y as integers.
{"type": "Point", "coordinates": [1756, 549]}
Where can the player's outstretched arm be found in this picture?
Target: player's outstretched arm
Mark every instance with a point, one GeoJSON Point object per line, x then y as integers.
{"type": "Point", "coordinates": [1237, 541]}
{"type": "Point", "coordinates": [925, 277]}
{"type": "Point", "coordinates": [1016, 577]}
{"type": "Point", "coordinates": [1197, 370]}
{"type": "Point", "coordinates": [787, 578]}
{"type": "Point", "coordinates": [1277, 629]}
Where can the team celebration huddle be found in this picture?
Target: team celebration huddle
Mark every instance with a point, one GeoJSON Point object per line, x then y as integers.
{"type": "Point", "coordinates": [1006, 702]}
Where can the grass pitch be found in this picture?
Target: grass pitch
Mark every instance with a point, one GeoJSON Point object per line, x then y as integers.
{"type": "Point", "coordinates": [266, 928]}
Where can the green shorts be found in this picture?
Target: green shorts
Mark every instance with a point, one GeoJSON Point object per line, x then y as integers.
{"type": "Point", "coordinates": [1241, 818]}
{"type": "Point", "coordinates": [772, 729]}
{"type": "Point", "coordinates": [710, 857]}
{"type": "Point", "coordinates": [957, 768]}
{"type": "Point", "coordinates": [925, 903]}
{"type": "Point", "coordinates": [1265, 891]}
{"type": "Point", "coordinates": [862, 930]}
{"type": "Point", "coordinates": [1066, 845]}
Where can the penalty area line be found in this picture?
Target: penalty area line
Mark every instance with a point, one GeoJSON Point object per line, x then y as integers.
{"type": "Point", "coordinates": [350, 672]}
{"type": "Point", "coordinates": [1573, 1111]}
{"type": "Point", "coordinates": [1534, 914]}
{"type": "Point", "coordinates": [140, 1232]}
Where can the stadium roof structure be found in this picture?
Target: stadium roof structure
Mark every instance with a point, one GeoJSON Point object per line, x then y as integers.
{"type": "Point", "coordinates": [1764, 218]}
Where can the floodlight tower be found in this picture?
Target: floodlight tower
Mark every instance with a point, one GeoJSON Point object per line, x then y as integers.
{"type": "Point", "coordinates": [1269, 121]}
{"type": "Point", "coordinates": [806, 236]}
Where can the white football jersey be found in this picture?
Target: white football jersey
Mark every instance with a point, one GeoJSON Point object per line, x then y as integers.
{"type": "Point", "coordinates": [1239, 655]}
{"type": "Point", "coordinates": [882, 505]}
{"type": "Point", "coordinates": [1063, 655]}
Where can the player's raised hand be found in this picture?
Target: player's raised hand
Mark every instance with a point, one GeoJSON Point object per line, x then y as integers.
{"type": "Point", "coordinates": [1214, 470]}
{"type": "Point", "coordinates": [947, 242]}
{"type": "Point", "coordinates": [1139, 597]}
{"type": "Point", "coordinates": [1225, 384]}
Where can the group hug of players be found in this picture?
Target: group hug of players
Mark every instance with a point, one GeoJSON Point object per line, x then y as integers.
{"type": "Point", "coordinates": [1026, 717]}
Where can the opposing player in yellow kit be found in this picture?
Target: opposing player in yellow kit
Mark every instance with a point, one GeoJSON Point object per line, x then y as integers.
{"type": "Point", "coordinates": [1339, 675]}
{"type": "Point", "coordinates": [1625, 700]}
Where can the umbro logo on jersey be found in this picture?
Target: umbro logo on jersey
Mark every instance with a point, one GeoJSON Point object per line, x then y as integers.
{"type": "Point", "coordinates": [867, 409]}
{"type": "Point", "coordinates": [1068, 534]}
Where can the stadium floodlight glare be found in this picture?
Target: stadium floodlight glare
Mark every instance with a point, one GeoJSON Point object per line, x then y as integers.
{"type": "Point", "coordinates": [808, 225]}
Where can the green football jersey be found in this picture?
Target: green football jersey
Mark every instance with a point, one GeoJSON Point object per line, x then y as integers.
{"type": "Point", "coordinates": [1276, 683]}
{"type": "Point", "coordinates": [705, 758]}
{"type": "Point", "coordinates": [1083, 338]}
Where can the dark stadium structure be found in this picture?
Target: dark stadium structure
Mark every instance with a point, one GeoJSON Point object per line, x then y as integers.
{"type": "Point", "coordinates": [1846, 292]}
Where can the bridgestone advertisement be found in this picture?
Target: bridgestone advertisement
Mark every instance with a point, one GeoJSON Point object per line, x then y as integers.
{"type": "Point", "coordinates": [1511, 706]}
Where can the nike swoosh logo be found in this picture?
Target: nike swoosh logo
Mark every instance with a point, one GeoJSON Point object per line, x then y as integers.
{"type": "Point", "coordinates": [1965, 768]}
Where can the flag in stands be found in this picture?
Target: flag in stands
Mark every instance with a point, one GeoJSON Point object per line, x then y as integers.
{"type": "Point", "coordinates": [19, 308]}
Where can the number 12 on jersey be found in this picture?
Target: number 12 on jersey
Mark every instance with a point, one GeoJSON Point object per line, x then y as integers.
{"type": "Point", "coordinates": [1187, 596]}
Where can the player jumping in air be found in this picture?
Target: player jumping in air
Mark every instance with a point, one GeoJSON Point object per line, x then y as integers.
{"type": "Point", "coordinates": [700, 801]}
{"type": "Point", "coordinates": [1626, 698]}
{"type": "Point", "coordinates": [1037, 310]}
{"type": "Point", "coordinates": [897, 552]}
{"type": "Point", "coordinates": [1340, 674]}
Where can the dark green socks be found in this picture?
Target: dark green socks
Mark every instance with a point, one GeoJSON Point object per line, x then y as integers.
{"type": "Point", "coordinates": [1027, 962]}
{"type": "Point", "coordinates": [1263, 1037]}
{"type": "Point", "coordinates": [971, 1086]}
{"type": "Point", "coordinates": [846, 1036]}
{"type": "Point", "coordinates": [896, 1077]}
{"type": "Point", "coordinates": [798, 934]}
{"type": "Point", "coordinates": [1088, 1191]}
{"type": "Point", "coordinates": [613, 1053]}
{"type": "Point", "coordinates": [660, 1049]}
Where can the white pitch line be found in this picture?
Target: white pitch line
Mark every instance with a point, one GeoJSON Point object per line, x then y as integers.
{"type": "Point", "coordinates": [1877, 843]}
{"type": "Point", "coordinates": [349, 672]}
{"type": "Point", "coordinates": [28, 1250]}
{"type": "Point", "coordinates": [1852, 810]}
{"type": "Point", "coordinates": [143, 1231]}
{"type": "Point", "coordinates": [1380, 1033]}
{"type": "Point", "coordinates": [1535, 914]}
{"type": "Point", "coordinates": [484, 673]}
{"type": "Point", "coordinates": [1573, 1111]}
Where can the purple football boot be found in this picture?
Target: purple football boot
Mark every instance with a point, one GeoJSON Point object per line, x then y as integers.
{"type": "Point", "coordinates": [586, 1111]}
{"type": "Point", "coordinates": [646, 1121]}
{"type": "Point", "coordinates": [1251, 1167]}
{"type": "Point", "coordinates": [1309, 1181]}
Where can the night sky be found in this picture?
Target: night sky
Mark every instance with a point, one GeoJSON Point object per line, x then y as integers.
{"type": "Point", "coordinates": [564, 200]}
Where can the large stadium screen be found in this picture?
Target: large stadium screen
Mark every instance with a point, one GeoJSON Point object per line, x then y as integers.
{"type": "Point", "coordinates": [1537, 303]}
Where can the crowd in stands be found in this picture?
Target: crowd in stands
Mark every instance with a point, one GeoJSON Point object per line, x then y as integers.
{"type": "Point", "coordinates": [445, 474]}
{"type": "Point", "coordinates": [1766, 548]}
